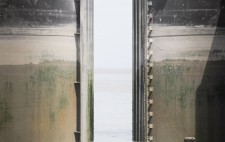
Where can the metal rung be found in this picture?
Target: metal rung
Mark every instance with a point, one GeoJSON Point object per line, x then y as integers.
{"type": "Point", "coordinates": [151, 52]}
{"type": "Point", "coordinates": [147, 57]}
{"type": "Point", "coordinates": [150, 16]}
{"type": "Point", "coordinates": [76, 33]}
{"type": "Point", "coordinates": [150, 40]}
{"type": "Point", "coordinates": [150, 101]}
{"type": "Point", "coordinates": [77, 136]}
{"type": "Point", "coordinates": [150, 126]}
{"type": "Point", "coordinates": [150, 64]}
{"type": "Point", "coordinates": [150, 89]}
{"type": "Point", "coordinates": [150, 138]}
{"type": "Point", "coordinates": [150, 114]}
{"type": "Point", "coordinates": [189, 139]}
{"type": "Point", "coordinates": [151, 77]}
{"type": "Point", "coordinates": [149, 2]}
{"type": "Point", "coordinates": [150, 28]}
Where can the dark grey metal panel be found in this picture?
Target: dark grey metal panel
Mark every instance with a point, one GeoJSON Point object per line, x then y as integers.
{"type": "Point", "coordinates": [33, 13]}
{"type": "Point", "coordinates": [189, 12]}
{"type": "Point", "coordinates": [189, 44]}
{"type": "Point", "coordinates": [139, 40]}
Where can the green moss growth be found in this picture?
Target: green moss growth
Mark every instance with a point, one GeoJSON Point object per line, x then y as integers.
{"type": "Point", "coordinates": [91, 106]}
{"type": "Point", "coordinates": [52, 116]}
{"type": "Point", "coordinates": [5, 115]}
{"type": "Point", "coordinates": [63, 101]}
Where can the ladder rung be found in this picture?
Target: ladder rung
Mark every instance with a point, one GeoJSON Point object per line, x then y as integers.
{"type": "Point", "coordinates": [151, 52]}
{"type": "Point", "coordinates": [150, 16]}
{"type": "Point", "coordinates": [150, 101]}
{"type": "Point", "coordinates": [150, 138]}
{"type": "Point", "coordinates": [150, 114]}
{"type": "Point", "coordinates": [150, 64]}
{"type": "Point", "coordinates": [150, 28]}
{"type": "Point", "coordinates": [147, 56]}
{"type": "Point", "coordinates": [150, 89]}
{"type": "Point", "coordinates": [150, 39]}
{"type": "Point", "coordinates": [189, 139]}
{"type": "Point", "coordinates": [151, 77]}
{"type": "Point", "coordinates": [150, 126]}
{"type": "Point", "coordinates": [76, 34]}
{"type": "Point", "coordinates": [149, 2]}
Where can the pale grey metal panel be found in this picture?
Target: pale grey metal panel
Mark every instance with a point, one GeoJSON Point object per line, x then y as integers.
{"type": "Point", "coordinates": [86, 48]}
{"type": "Point", "coordinates": [139, 43]}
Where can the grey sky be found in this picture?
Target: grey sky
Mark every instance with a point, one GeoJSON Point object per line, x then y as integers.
{"type": "Point", "coordinates": [113, 33]}
{"type": "Point", "coordinates": [113, 52]}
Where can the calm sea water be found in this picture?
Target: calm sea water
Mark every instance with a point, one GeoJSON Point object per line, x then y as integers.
{"type": "Point", "coordinates": [113, 105]}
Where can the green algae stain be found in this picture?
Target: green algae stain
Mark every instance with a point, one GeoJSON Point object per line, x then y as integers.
{"type": "Point", "coordinates": [8, 87]}
{"type": "Point", "coordinates": [171, 69]}
{"type": "Point", "coordinates": [5, 115]}
{"type": "Point", "coordinates": [46, 75]}
{"type": "Point", "coordinates": [63, 101]}
{"type": "Point", "coordinates": [186, 91]}
{"type": "Point", "coordinates": [41, 86]}
{"type": "Point", "coordinates": [173, 83]}
{"type": "Point", "coordinates": [159, 85]}
{"type": "Point", "coordinates": [91, 107]}
{"type": "Point", "coordinates": [53, 81]}
{"type": "Point", "coordinates": [52, 116]}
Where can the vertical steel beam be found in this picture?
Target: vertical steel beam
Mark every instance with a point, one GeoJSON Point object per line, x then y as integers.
{"type": "Point", "coordinates": [86, 49]}
{"type": "Point", "coordinates": [139, 43]}
{"type": "Point", "coordinates": [78, 70]}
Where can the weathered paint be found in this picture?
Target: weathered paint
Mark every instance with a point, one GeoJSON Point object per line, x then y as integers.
{"type": "Point", "coordinates": [38, 69]}
{"type": "Point", "coordinates": [188, 46]}
{"type": "Point", "coordinates": [36, 13]}
{"type": "Point", "coordinates": [86, 60]}
{"type": "Point", "coordinates": [37, 102]}
{"type": "Point", "coordinates": [188, 57]}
